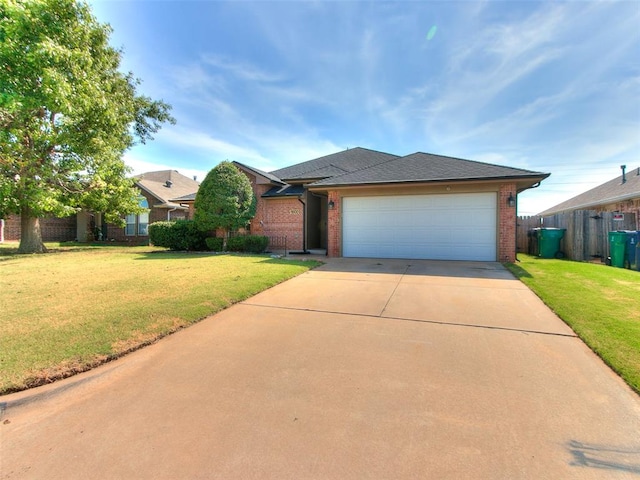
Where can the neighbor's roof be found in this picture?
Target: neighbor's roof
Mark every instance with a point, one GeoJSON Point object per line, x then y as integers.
{"type": "Point", "coordinates": [610, 192]}
{"type": "Point", "coordinates": [347, 161]}
{"type": "Point", "coordinates": [167, 185]}
{"type": "Point", "coordinates": [426, 167]}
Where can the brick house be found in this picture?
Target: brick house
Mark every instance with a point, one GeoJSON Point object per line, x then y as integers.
{"type": "Point", "coordinates": [365, 203]}
{"type": "Point", "coordinates": [157, 190]}
{"type": "Point", "coordinates": [157, 193]}
{"type": "Point", "coordinates": [620, 195]}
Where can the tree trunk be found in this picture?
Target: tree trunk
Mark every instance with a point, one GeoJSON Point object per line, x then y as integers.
{"type": "Point", "coordinates": [30, 235]}
{"type": "Point", "coordinates": [225, 237]}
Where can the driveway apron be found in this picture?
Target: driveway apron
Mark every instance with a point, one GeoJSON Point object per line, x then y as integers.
{"type": "Point", "coordinates": [357, 369]}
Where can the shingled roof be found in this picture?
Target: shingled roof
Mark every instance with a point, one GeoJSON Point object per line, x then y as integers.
{"type": "Point", "coordinates": [347, 161]}
{"type": "Point", "coordinates": [426, 167]}
{"type": "Point", "coordinates": [166, 185]}
{"type": "Point", "coordinates": [610, 192]}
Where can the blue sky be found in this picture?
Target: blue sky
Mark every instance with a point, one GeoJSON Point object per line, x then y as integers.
{"type": "Point", "coordinates": [546, 86]}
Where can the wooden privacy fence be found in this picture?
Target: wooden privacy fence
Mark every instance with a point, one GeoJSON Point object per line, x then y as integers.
{"type": "Point", "coordinates": [587, 232]}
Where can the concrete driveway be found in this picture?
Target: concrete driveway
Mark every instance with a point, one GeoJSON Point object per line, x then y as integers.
{"type": "Point", "coordinates": [360, 369]}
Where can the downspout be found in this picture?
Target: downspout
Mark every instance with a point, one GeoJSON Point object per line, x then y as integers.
{"type": "Point", "coordinates": [304, 225]}
{"type": "Point", "coordinates": [169, 213]}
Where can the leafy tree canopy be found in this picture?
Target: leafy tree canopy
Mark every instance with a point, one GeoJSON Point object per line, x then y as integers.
{"type": "Point", "coordinates": [225, 199]}
{"type": "Point", "coordinates": [67, 115]}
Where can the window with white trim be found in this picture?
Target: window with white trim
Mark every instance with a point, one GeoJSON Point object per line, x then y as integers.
{"type": "Point", "coordinates": [138, 224]}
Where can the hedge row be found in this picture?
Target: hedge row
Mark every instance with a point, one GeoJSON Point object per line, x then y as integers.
{"type": "Point", "coordinates": [185, 235]}
{"type": "Point", "coordinates": [178, 235]}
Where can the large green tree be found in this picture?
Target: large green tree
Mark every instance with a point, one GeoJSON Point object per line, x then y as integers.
{"type": "Point", "coordinates": [67, 115]}
{"type": "Point", "coordinates": [224, 200]}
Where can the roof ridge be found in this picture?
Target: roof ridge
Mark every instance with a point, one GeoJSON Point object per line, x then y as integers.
{"type": "Point", "coordinates": [298, 165]}
{"type": "Point", "coordinates": [395, 157]}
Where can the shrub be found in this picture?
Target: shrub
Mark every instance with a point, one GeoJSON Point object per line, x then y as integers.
{"type": "Point", "coordinates": [178, 235]}
{"type": "Point", "coordinates": [256, 243]}
{"type": "Point", "coordinates": [248, 244]}
{"type": "Point", "coordinates": [160, 234]}
{"type": "Point", "coordinates": [187, 236]}
{"type": "Point", "coordinates": [235, 244]}
{"type": "Point", "coordinates": [214, 244]}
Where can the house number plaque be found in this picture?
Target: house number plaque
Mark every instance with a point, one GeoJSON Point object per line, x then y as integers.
{"type": "Point", "coordinates": [294, 211]}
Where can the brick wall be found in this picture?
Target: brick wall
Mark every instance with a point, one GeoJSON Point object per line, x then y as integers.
{"type": "Point", "coordinates": [506, 224]}
{"type": "Point", "coordinates": [12, 228]}
{"type": "Point", "coordinates": [334, 230]}
{"type": "Point", "coordinates": [258, 221]}
{"type": "Point", "coordinates": [277, 217]}
{"type": "Point", "coordinates": [281, 217]}
{"type": "Point", "coordinates": [52, 229]}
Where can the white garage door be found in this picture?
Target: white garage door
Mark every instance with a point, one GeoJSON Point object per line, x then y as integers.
{"type": "Point", "coordinates": [438, 227]}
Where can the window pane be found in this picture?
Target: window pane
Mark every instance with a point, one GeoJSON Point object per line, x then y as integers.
{"type": "Point", "coordinates": [130, 229]}
{"type": "Point", "coordinates": [143, 224]}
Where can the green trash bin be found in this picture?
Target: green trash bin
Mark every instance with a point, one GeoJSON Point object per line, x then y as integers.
{"type": "Point", "coordinates": [618, 248]}
{"type": "Point", "coordinates": [549, 242]}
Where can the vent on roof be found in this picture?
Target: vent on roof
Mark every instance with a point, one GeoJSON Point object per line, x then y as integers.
{"type": "Point", "coordinates": [168, 183]}
{"type": "Point", "coordinates": [624, 177]}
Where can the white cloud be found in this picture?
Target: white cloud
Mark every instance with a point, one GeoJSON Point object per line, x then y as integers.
{"type": "Point", "coordinates": [241, 70]}
{"type": "Point", "coordinates": [213, 147]}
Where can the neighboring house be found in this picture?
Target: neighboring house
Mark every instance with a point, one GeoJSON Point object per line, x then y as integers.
{"type": "Point", "coordinates": [157, 193]}
{"type": "Point", "coordinates": [365, 203]}
{"type": "Point", "coordinates": [622, 195]}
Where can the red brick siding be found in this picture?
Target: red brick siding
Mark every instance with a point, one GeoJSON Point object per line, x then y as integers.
{"type": "Point", "coordinates": [52, 229]}
{"type": "Point", "coordinates": [281, 217]}
{"type": "Point", "coordinates": [258, 221]}
{"type": "Point", "coordinates": [277, 217]}
{"type": "Point", "coordinates": [334, 230]}
{"type": "Point", "coordinates": [506, 224]}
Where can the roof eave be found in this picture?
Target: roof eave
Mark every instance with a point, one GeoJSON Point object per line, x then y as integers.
{"type": "Point", "coordinates": [535, 178]}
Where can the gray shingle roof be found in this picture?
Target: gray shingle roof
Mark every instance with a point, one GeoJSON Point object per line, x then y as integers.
{"type": "Point", "coordinates": [269, 176]}
{"type": "Point", "coordinates": [285, 191]}
{"type": "Point", "coordinates": [185, 198]}
{"type": "Point", "coordinates": [346, 161]}
{"type": "Point", "coordinates": [426, 167]}
{"type": "Point", "coordinates": [609, 192]}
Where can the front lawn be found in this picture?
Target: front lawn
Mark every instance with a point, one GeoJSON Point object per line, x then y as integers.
{"type": "Point", "coordinates": [74, 308]}
{"type": "Point", "coordinates": [600, 303]}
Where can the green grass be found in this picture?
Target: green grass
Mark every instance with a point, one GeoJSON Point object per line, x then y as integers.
{"type": "Point", "coordinates": [600, 303]}
{"type": "Point", "coordinates": [76, 307]}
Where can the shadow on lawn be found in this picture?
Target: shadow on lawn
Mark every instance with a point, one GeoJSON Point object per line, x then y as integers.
{"type": "Point", "coordinates": [518, 271]}
{"type": "Point", "coordinates": [262, 257]}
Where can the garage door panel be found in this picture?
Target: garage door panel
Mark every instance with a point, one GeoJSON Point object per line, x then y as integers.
{"type": "Point", "coordinates": [445, 227]}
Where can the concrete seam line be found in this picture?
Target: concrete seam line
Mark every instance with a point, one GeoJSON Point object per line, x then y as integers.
{"type": "Point", "coordinates": [394, 290]}
{"type": "Point", "coordinates": [435, 322]}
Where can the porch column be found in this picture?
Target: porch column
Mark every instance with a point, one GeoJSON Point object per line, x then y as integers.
{"type": "Point", "coordinates": [507, 223]}
{"type": "Point", "coordinates": [334, 230]}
